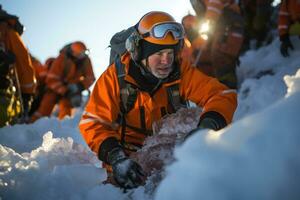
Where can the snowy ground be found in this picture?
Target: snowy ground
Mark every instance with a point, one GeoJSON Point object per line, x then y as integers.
{"type": "Point", "coordinates": [257, 157]}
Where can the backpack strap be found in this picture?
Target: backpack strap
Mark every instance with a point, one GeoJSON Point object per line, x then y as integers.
{"type": "Point", "coordinates": [128, 96]}
{"type": "Point", "coordinates": [174, 98]}
{"type": "Point", "coordinates": [127, 92]}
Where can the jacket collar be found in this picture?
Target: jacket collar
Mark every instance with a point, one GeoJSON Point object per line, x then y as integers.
{"type": "Point", "coordinates": [148, 83]}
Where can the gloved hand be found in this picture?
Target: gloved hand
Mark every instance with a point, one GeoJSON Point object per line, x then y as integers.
{"type": "Point", "coordinates": [73, 93]}
{"type": "Point", "coordinates": [285, 45]}
{"type": "Point", "coordinates": [208, 123]}
{"type": "Point", "coordinates": [127, 173]}
{"type": "Point", "coordinates": [74, 89]}
{"type": "Point", "coordinates": [212, 120]}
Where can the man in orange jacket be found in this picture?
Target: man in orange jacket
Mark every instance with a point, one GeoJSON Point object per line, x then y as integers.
{"type": "Point", "coordinates": [16, 67]}
{"type": "Point", "coordinates": [155, 83]}
{"type": "Point", "coordinates": [288, 24]}
{"type": "Point", "coordinates": [70, 73]}
{"type": "Point", "coordinates": [222, 29]}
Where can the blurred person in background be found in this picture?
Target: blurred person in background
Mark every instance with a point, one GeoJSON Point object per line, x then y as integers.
{"type": "Point", "coordinates": [70, 73]}
{"type": "Point", "coordinates": [18, 82]}
{"type": "Point", "coordinates": [221, 28]}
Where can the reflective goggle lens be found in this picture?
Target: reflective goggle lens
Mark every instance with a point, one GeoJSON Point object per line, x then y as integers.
{"type": "Point", "coordinates": [160, 31]}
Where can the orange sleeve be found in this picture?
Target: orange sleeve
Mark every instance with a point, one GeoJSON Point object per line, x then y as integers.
{"type": "Point", "coordinates": [214, 9]}
{"type": "Point", "coordinates": [23, 63]}
{"type": "Point", "coordinates": [208, 92]}
{"type": "Point", "coordinates": [98, 120]}
{"type": "Point", "coordinates": [54, 79]}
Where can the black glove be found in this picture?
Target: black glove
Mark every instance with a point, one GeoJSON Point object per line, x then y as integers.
{"type": "Point", "coordinates": [212, 120]}
{"type": "Point", "coordinates": [74, 93]}
{"type": "Point", "coordinates": [208, 123]}
{"type": "Point", "coordinates": [74, 89]}
{"type": "Point", "coordinates": [6, 58]}
{"type": "Point", "coordinates": [285, 45]}
{"type": "Point", "coordinates": [127, 173]}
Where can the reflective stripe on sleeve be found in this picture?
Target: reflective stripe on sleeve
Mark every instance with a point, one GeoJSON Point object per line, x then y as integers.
{"type": "Point", "coordinates": [215, 1]}
{"type": "Point", "coordinates": [284, 13]}
{"type": "Point", "coordinates": [28, 85]}
{"type": "Point", "coordinates": [213, 9]}
{"type": "Point", "coordinates": [228, 91]}
{"type": "Point", "coordinates": [94, 118]}
{"type": "Point", "coordinates": [283, 27]}
{"type": "Point", "coordinates": [54, 76]}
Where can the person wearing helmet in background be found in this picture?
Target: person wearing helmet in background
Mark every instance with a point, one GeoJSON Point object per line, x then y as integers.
{"type": "Point", "coordinates": [41, 71]}
{"type": "Point", "coordinates": [222, 29]}
{"type": "Point", "coordinates": [70, 73]}
{"type": "Point", "coordinates": [193, 43]}
{"type": "Point", "coordinates": [288, 24]}
{"type": "Point", "coordinates": [18, 82]}
{"type": "Point", "coordinates": [157, 82]}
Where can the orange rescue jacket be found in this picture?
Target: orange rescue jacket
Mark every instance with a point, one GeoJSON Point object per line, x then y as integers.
{"type": "Point", "coordinates": [64, 71]}
{"type": "Point", "coordinates": [214, 8]}
{"type": "Point", "coordinates": [10, 40]}
{"type": "Point", "coordinates": [100, 118]}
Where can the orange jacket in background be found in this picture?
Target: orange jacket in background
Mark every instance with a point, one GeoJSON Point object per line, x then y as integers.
{"type": "Point", "coordinates": [99, 120]}
{"type": "Point", "coordinates": [10, 40]}
{"type": "Point", "coordinates": [63, 71]}
{"type": "Point", "coordinates": [289, 13]}
{"type": "Point", "coordinates": [214, 8]}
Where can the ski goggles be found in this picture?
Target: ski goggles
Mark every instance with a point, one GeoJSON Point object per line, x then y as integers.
{"type": "Point", "coordinates": [160, 31]}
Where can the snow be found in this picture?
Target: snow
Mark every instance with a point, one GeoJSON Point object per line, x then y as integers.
{"type": "Point", "coordinates": [256, 157]}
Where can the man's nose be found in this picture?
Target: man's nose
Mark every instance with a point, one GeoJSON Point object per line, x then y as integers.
{"type": "Point", "coordinates": [165, 58]}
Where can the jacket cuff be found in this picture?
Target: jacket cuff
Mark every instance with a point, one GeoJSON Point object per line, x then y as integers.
{"type": "Point", "coordinates": [106, 146]}
{"type": "Point", "coordinates": [219, 120]}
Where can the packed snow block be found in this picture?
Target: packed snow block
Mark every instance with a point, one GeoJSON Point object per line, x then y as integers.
{"type": "Point", "coordinates": [157, 151]}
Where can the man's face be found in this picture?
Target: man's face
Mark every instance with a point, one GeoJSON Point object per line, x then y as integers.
{"type": "Point", "coordinates": [160, 64]}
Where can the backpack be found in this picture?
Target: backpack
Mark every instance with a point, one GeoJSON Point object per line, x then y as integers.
{"type": "Point", "coordinates": [117, 43]}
